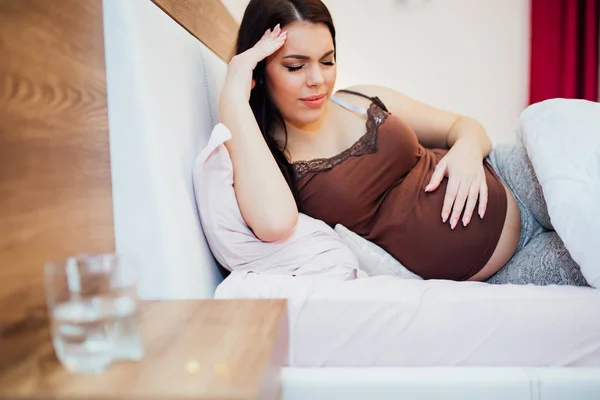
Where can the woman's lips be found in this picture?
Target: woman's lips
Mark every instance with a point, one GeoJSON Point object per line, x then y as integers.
{"type": "Point", "coordinates": [314, 101]}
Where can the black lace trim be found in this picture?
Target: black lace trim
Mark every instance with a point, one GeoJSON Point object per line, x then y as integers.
{"type": "Point", "coordinates": [367, 144]}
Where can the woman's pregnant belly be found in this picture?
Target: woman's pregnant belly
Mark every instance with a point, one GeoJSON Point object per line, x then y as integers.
{"type": "Point", "coordinates": [509, 239]}
{"type": "Point", "coordinates": [409, 227]}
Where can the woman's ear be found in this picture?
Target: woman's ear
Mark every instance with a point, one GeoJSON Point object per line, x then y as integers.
{"type": "Point", "coordinates": [253, 84]}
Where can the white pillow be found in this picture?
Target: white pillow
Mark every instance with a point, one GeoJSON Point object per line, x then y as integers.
{"type": "Point", "coordinates": [312, 249]}
{"type": "Point", "coordinates": [562, 138]}
{"type": "Point", "coordinates": [372, 259]}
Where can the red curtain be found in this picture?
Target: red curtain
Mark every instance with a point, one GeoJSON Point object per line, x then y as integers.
{"type": "Point", "coordinates": [564, 49]}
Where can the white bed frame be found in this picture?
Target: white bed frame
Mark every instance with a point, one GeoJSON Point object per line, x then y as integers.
{"type": "Point", "coordinates": [151, 62]}
{"type": "Point", "coordinates": [464, 383]}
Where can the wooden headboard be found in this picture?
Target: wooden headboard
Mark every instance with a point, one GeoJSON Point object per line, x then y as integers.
{"type": "Point", "coordinates": [55, 177]}
{"type": "Point", "coordinates": [208, 20]}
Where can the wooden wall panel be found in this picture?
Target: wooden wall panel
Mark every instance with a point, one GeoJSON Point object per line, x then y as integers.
{"type": "Point", "coordinates": [208, 20]}
{"type": "Point", "coordinates": [55, 184]}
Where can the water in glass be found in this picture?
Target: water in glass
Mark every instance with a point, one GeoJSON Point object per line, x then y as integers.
{"type": "Point", "coordinates": [93, 315]}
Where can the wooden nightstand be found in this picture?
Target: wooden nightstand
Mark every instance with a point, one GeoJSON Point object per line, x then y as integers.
{"type": "Point", "coordinates": [197, 349]}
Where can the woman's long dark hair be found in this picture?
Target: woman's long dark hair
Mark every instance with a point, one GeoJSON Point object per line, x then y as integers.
{"type": "Point", "coordinates": [259, 16]}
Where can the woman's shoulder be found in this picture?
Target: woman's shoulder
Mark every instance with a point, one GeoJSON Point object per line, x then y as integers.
{"type": "Point", "coordinates": [369, 90]}
{"type": "Point", "coordinates": [358, 94]}
{"type": "Point", "coordinates": [365, 95]}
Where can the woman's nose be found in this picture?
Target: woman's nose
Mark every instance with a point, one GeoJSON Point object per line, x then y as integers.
{"type": "Point", "coordinates": [315, 77]}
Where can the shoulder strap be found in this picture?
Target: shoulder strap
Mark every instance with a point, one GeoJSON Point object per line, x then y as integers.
{"type": "Point", "coordinates": [348, 106]}
{"type": "Point", "coordinates": [374, 99]}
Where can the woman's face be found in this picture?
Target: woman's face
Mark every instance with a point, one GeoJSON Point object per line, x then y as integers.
{"type": "Point", "coordinates": [301, 75]}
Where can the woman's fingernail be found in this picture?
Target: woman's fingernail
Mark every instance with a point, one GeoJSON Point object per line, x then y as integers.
{"type": "Point", "coordinates": [427, 188]}
{"type": "Point", "coordinates": [444, 218]}
{"type": "Point", "coordinates": [465, 221]}
{"type": "Point", "coordinates": [453, 223]}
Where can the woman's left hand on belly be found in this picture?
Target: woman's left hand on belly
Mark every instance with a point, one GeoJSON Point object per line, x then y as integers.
{"type": "Point", "coordinates": [463, 166]}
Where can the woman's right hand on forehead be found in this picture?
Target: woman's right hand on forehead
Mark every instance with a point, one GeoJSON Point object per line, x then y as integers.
{"type": "Point", "coordinates": [265, 199]}
{"type": "Point", "coordinates": [239, 70]}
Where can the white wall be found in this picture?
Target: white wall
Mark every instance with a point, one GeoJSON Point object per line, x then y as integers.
{"type": "Point", "coordinates": [468, 56]}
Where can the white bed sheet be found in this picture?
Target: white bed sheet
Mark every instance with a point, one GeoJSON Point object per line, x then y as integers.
{"type": "Point", "coordinates": [386, 321]}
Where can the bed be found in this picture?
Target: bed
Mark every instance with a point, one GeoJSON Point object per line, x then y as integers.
{"type": "Point", "coordinates": [379, 337]}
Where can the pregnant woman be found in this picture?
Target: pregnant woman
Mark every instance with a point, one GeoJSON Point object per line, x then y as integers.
{"type": "Point", "coordinates": [422, 183]}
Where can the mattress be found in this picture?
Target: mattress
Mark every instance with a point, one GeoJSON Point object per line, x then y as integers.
{"type": "Point", "coordinates": [386, 321]}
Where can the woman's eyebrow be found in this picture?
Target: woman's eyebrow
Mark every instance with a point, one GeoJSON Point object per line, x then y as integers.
{"type": "Point", "coordinates": [301, 57]}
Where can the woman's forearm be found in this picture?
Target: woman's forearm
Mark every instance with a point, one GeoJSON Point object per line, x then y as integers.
{"type": "Point", "coordinates": [265, 200]}
{"type": "Point", "coordinates": [468, 129]}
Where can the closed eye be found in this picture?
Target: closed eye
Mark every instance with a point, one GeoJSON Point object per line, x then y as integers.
{"type": "Point", "coordinates": [293, 69]}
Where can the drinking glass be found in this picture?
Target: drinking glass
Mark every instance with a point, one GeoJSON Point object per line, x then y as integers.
{"type": "Point", "coordinates": [93, 306]}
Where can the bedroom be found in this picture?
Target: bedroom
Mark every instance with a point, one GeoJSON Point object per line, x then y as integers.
{"type": "Point", "coordinates": [37, 225]}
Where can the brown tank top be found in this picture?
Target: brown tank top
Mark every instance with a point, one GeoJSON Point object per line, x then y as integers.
{"type": "Point", "coordinates": [376, 189]}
